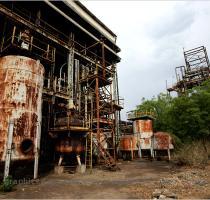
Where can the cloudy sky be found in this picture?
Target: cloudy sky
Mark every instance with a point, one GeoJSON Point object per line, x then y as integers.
{"type": "Point", "coordinates": [152, 36]}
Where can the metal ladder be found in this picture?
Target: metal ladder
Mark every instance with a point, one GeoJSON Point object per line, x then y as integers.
{"type": "Point", "coordinates": [109, 161]}
{"type": "Point", "coordinates": [89, 150]}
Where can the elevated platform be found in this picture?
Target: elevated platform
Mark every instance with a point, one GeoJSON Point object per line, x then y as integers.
{"type": "Point", "coordinates": [68, 128]}
{"type": "Point", "coordinates": [134, 115]}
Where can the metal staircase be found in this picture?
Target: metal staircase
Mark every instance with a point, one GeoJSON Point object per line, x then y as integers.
{"type": "Point", "coordinates": [107, 160]}
{"type": "Point", "coordinates": [89, 151]}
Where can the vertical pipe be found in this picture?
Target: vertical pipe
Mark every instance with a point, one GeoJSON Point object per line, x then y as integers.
{"type": "Point", "coordinates": [86, 120]}
{"type": "Point", "coordinates": [91, 149]}
{"type": "Point", "coordinates": [86, 149]}
{"type": "Point", "coordinates": [9, 148]}
{"type": "Point", "coordinates": [70, 64]}
{"type": "Point", "coordinates": [117, 113]}
{"type": "Point", "coordinates": [37, 148]}
{"type": "Point", "coordinates": [77, 83]}
{"type": "Point", "coordinates": [76, 79]}
{"type": "Point", "coordinates": [79, 90]}
{"type": "Point", "coordinates": [103, 60]}
{"type": "Point", "coordinates": [97, 108]}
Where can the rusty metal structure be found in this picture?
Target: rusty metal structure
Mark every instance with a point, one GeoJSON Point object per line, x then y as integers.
{"type": "Point", "coordinates": [143, 130]}
{"type": "Point", "coordinates": [21, 86]}
{"type": "Point", "coordinates": [143, 142]}
{"type": "Point", "coordinates": [162, 142]}
{"type": "Point", "coordinates": [80, 98]}
{"type": "Point", "coordinates": [128, 147]}
{"type": "Point", "coordinates": [195, 71]}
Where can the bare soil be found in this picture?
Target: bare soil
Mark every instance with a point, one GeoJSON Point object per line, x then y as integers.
{"type": "Point", "coordinates": [136, 179]}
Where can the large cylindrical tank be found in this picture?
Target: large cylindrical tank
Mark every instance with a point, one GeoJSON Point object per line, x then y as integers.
{"type": "Point", "coordinates": [143, 128]}
{"type": "Point", "coordinates": [21, 84]}
{"type": "Point", "coordinates": [128, 143]}
{"type": "Point", "coordinates": [142, 125]}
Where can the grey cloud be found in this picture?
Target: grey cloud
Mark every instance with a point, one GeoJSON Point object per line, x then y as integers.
{"type": "Point", "coordinates": [175, 22]}
{"type": "Point", "coordinates": [151, 51]}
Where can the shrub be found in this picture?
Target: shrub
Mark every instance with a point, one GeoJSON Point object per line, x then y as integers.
{"type": "Point", "coordinates": [7, 184]}
{"type": "Point", "coordinates": [192, 154]}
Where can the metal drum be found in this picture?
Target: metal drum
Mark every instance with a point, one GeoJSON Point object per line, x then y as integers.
{"type": "Point", "coordinates": [21, 84]}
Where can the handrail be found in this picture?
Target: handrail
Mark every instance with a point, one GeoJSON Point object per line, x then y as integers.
{"type": "Point", "coordinates": [138, 114]}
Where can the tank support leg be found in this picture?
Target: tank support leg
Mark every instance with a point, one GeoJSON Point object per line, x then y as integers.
{"type": "Point", "coordinates": [169, 154]}
{"type": "Point", "coordinates": [131, 144]}
{"type": "Point", "coordinates": [37, 146]}
{"type": "Point", "coordinates": [140, 154]}
{"type": "Point", "coordinates": [60, 160]}
{"type": "Point", "coordinates": [9, 149]}
{"type": "Point", "coordinates": [78, 160]}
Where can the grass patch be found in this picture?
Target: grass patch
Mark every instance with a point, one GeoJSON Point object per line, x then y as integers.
{"type": "Point", "coordinates": [192, 154]}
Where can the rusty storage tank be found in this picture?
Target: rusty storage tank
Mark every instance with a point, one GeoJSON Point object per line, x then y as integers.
{"type": "Point", "coordinates": [142, 126]}
{"type": "Point", "coordinates": [68, 145]}
{"type": "Point", "coordinates": [162, 141]}
{"type": "Point", "coordinates": [21, 83]}
{"type": "Point", "coordinates": [144, 130]}
{"type": "Point", "coordinates": [128, 143]}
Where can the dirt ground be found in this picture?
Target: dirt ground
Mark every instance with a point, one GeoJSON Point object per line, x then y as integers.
{"type": "Point", "coordinates": [136, 179]}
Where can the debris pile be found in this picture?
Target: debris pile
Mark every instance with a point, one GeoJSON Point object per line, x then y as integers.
{"type": "Point", "coordinates": [181, 183]}
{"type": "Point", "coordinates": [185, 179]}
{"type": "Point", "coordinates": [163, 194]}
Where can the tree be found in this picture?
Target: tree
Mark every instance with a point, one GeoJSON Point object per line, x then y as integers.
{"type": "Point", "coordinates": [160, 106]}
{"type": "Point", "coordinates": [187, 117]}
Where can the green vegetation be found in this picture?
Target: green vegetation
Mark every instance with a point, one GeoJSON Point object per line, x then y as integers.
{"type": "Point", "coordinates": [186, 117]}
{"type": "Point", "coordinates": [7, 184]}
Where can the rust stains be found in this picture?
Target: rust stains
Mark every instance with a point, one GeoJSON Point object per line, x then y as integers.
{"type": "Point", "coordinates": [128, 142]}
{"type": "Point", "coordinates": [68, 145]}
{"type": "Point", "coordinates": [143, 125]}
{"type": "Point", "coordinates": [162, 141]}
{"type": "Point", "coordinates": [21, 82]}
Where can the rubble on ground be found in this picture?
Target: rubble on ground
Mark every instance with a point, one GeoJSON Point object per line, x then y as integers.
{"type": "Point", "coordinates": [181, 182]}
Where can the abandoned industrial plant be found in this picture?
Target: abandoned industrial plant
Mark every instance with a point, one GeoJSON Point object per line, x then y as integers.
{"type": "Point", "coordinates": [66, 129]}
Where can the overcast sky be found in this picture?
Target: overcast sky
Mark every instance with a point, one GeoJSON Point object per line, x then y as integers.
{"type": "Point", "coordinates": [152, 36]}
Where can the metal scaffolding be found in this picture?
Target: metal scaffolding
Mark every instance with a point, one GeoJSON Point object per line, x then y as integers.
{"type": "Point", "coordinates": [195, 71]}
{"type": "Point", "coordinates": [80, 94]}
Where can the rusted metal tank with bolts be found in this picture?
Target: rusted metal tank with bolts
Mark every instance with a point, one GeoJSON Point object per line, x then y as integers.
{"type": "Point", "coordinates": [68, 145]}
{"type": "Point", "coordinates": [162, 141]}
{"type": "Point", "coordinates": [142, 126]}
{"type": "Point", "coordinates": [144, 130]}
{"type": "Point", "coordinates": [21, 84]}
{"type": "Point", "coordinates": [128, 143]}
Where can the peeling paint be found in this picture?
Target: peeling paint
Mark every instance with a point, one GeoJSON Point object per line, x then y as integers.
{"type": "Point", "coordinates": [21, 83]}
